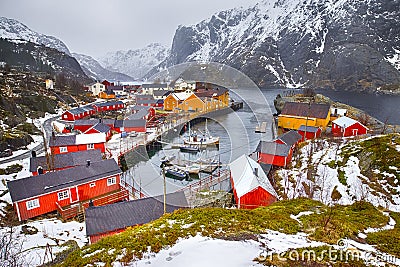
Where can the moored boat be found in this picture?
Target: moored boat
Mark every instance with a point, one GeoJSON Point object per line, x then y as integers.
{"type": "Point", "coordinates": [176, 173]}
{"type": "Point", "coordinates": [189, 148]}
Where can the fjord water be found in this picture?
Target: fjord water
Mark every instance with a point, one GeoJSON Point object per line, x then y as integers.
{"type": "Point", "coordinates": [237, 135]}
{"type": "Point", "coordinates": [382, 107]}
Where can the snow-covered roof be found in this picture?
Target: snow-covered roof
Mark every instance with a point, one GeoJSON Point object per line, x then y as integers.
{"type": "Point", "coordinates": [93, 138]}
{"type": "Point", "coordinates": [245, 179]}
{"type": "Point", "coordinates": [181, 96]}
{"type": "Point", "coordinates": [345, 122]}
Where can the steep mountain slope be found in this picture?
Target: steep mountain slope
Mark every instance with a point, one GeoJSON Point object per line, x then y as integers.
{"type": "Point", "coordinates": [345, 44]}
{"type": "Point", "coordinates": [135, 63]}
{"type": "Point", "coordinates": [39, 58]}
{"type": "Point", "coordinates": [94, 70]}
{"type": "Point", "coordinates": [14, 30]}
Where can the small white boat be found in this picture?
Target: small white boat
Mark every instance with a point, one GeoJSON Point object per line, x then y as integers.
{"type": "Point", "coordinates": [202, 139]}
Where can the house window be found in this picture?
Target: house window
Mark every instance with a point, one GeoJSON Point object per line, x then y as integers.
{"type": "Point", "coordinates": [111, 181]}
{"type": "Point", "coordinates": [63, 195]}
{"type": "Point", "coordinates": [32, 204]}
{"type": "Point", "coordinates": [90, 146]}
{"type": "Point", "coordinates": [63, 149]}
{"type": "Point", "coordinates": [92, 185]}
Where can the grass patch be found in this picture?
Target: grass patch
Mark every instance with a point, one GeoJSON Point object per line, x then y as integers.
{"type": "Point", "coordinates": [325, 224]}
{"type": "Point", "coordinates": [389, 240]}
{"type": "Point", "coordinates": [342, 177]}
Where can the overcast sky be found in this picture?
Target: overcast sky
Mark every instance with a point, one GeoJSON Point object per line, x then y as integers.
{"type": "Point", "coordinates": [94, 27]}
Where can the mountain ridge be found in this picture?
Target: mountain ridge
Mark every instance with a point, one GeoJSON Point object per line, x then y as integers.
{"type": "Point", "coordinates": [135, 62]}
{"type": "Point", "coordinates": [342, 44]}
{"type": "Point", "coordinates": [14, 30]}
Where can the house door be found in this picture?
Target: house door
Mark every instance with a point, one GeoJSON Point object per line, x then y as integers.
{"type": "Point", "coordinates": [74, 194]}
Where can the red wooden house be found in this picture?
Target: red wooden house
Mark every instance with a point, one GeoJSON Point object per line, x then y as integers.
{"type": "Point", "coordinates": [100, 128]}
{"type": "Point", "coordinates": [109, 105]}
{"type": "Point", "coordinates": [345, 126]}
{"type": "Point", "coordinates": [78, 113]}
{"type": "Point", "coordinates": [251, 187]}
{"type": "Point", "coordinates": [72, 143]}
{"type": "Point", "coordinates": [57, 191]}
{"type": "Point", "coordinates": [290, 138]}
{"type": "Point", "coordinates": [84, 125]}
{"type": "Point", "coordinates": [142, 112]}
{"type": "Point", "coordinates": [271, 152]}
{"type": "Point", "coordinates": [57, 162]}
{"type": "Point", "coordinates": [309, 132]}
{"type": "Point", "coordinates": [107, 83]}
{"type": "Point", "coordinates": [101, 222]}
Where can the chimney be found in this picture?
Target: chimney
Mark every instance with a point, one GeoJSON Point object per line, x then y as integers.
{"type": "Point", "coordinates": [100, 120]}
{"type": "Point", "coordinates": [256, 172]}
{"type": "Point", "coordinates": [33, 153]}
{"type": "Point", "coordinates": [53, 134]}
{"type": "Point", "coordinates": [88, 163]}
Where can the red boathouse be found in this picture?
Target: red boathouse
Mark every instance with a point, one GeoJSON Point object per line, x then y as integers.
{"type": "Point", "coordinates": [251, 187]}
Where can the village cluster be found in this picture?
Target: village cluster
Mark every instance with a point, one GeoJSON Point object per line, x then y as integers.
{"type": "Point", "coordinates": [80, 178]}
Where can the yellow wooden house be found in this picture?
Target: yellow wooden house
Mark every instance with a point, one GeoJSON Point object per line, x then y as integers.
{"type": "Point", "coordinates": [173, 100]}
{"type": "Point", "coordinates": [295, 114]}
{"type": "Point", "coordinates": [107, 95]}
{"type": "Point", "coordinates": [192, 104]}
{"type": "Point", "coordinates": [220, 95]}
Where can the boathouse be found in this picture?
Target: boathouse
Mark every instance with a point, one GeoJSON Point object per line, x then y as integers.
{"type": "Point", "coordinates": [271, 152]}
{"type": "Point", "coordinates": [72, 143]}
{"type": "Point", "coordinates": [57, 191]}
{"type": "Point", "coordinates": [345, 126]}
{"type": "Point", "coordinates": [309, 132]}
{"type": "Point", "coordinates": [295, 114]}
{"type": "Point", "coordinates": [57, 162]}
{"type": "Point", "coordinates": [251, 187]}
{"type": "Point", "coordinates": [101, 222]}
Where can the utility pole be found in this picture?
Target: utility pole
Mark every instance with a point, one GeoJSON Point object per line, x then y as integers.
{"type": "Point", "coordinates": [165, 189]}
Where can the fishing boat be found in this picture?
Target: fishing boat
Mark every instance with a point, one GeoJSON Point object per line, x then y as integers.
{"type": "Point", "coordinates": [176, 173]}
{"type": "Point", "coordinates": [189, 148]}
{"type": "Point", "coordinates": [201, 139]}
{"type": "Point", "coordinates": [191, 169]}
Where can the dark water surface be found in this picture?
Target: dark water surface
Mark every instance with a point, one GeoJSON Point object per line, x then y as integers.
{"type": "Point", "coordinates": [237, 136]}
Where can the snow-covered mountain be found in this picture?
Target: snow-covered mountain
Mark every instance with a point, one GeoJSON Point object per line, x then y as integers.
{"type": "Point", "coordinates": [135, 63]}
{"type": "Point", "coordinates": [341, 44]}
{"type": "Point", "coordinates": [12, 29]}
{"type": "Point", "coordinates": [94, 70]}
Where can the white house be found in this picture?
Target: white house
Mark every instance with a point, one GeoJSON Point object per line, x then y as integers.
{"type": "Point", "coordinates": [149, 88]}
{"type": "Point", "coordinates": [49, 84]}
{"type": "Point", "coordinates": [96, 88]}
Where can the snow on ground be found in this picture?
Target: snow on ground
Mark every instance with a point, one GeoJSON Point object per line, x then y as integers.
{"type": "Point", "coordinates": [201, 251]}
{"type": "Point", "coordinates": [326, 179]}
{"type": "Point", "coordinates": [50, 231]}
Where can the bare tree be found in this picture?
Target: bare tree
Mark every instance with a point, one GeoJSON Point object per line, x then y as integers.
{"type": "Point", "coordinates": [11, 248]}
